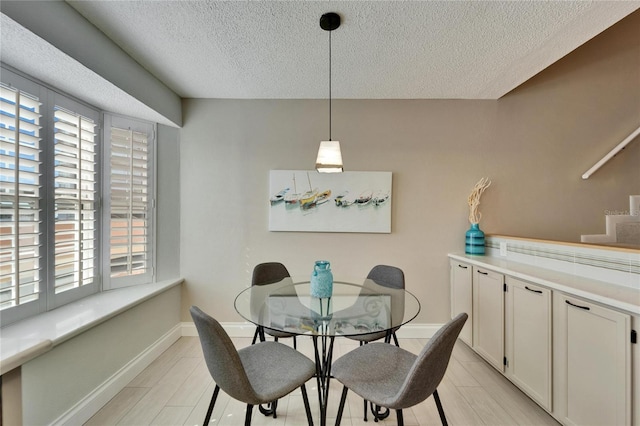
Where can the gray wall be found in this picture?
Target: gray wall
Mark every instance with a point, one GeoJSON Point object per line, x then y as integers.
{"type": "Point", "coordinates": [56, 381]}
{"type": "Point", "coordinates": [168, 205]}
{"type": "Point", "coordinates": [534, 144]}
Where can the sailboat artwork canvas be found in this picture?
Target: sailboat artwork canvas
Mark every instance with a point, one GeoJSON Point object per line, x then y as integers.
{"type": "Point", "coordinates": [308, 201]}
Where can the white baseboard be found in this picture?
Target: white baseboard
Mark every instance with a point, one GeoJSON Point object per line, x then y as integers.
{"type": "Point", "coordinates": [92, 403]}
{"type": "Point", "coordinates": [244, 329]}
{"type": "Point", "coordinates": [233, 329]}
{"type": "Point", "coordinates": [418, 331]}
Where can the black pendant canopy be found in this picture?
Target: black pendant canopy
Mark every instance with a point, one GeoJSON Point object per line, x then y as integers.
{"type": "Point", "coordinates": [330, 21]}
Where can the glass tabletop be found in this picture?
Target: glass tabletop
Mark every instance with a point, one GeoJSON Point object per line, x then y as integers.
{"type": "Point", "coordinates": [353, 309]}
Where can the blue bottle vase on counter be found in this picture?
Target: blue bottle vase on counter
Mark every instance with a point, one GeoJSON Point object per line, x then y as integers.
{"type": "Point", "coordinates": [322, 280]}
{"type": "Point", "coordinates": [474, 241]}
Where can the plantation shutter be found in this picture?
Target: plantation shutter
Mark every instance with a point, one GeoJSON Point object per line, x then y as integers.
{"type": "Point", "coordinates": [130, 202]}
{"type": "Point", "coordinates": [75, 200]}
{"type": "Point", "coordinates": [20, 187]}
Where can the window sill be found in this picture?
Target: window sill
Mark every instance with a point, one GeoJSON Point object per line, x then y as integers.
{"type": "Point", "coordinates": [30, 338]}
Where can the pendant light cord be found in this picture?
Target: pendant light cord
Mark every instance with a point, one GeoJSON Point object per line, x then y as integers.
{"type": "Point", "coordinates": [329, 85]}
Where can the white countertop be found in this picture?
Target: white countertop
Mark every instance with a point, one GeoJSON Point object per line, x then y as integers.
{"type": "Point", "coordinates": [616, 296]}
{"type": "Point", "coordinates": [29, 338]}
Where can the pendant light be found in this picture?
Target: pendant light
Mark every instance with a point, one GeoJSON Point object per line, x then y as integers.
{"type": "Point", "coordinates": [329, 156]}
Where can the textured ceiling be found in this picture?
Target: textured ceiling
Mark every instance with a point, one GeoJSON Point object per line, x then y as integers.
{"type": "Point", "coordinates": [383, 49]}
{"type": "Point", "coordinates": [276, 49]}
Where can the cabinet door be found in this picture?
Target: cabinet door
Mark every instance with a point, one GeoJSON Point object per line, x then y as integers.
{"type": "Point", "coordinates": [488, 316]}
{"type": "Point", "coordinates": [593, 363]}
{"type": "Point", "coordinates": [461, 300]}
{"type": "Point", "coordinates": [528, 339]}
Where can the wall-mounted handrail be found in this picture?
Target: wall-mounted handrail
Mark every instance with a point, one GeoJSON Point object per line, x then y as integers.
{"type": "Point", "coordinates": [611, 153]}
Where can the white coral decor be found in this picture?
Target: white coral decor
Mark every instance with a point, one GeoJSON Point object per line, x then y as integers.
{"type": "Point", "coordinates": [474, 199]}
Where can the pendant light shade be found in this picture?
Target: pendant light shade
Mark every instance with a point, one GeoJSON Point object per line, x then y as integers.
{"type": "Point", "coordinates": [329, 158]}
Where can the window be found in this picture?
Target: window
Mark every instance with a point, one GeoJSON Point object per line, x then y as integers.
{"type": "Point", "coordinates": [76, 212]}
{"type": "Point", "coordinates": [130, 201]}
{"type": "Point", "coordinates": [75, 195]}
{"type": "Point", "coordinates": [20, 189]}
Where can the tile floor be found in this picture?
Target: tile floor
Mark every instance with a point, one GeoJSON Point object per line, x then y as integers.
{"type": "Point", "coordinates": [176, 389]}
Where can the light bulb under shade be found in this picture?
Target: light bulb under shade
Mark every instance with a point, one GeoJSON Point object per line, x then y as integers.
{"type": "Point", "coordinates": [329, 157]}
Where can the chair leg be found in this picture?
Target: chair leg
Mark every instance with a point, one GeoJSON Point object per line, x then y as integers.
{"type": "Point", "coordinates": [379, 413]}
{"type": "Point", "coordinates": [259, 334]}
{"type": "Point", "coordinates": [364, 400]}
{"type": "Point", "coordinates": [395, 339]}
{"type": "Point", "coordinates": [247, 417]}
{"type": "Point", "coordinates": [440, 409]}
{"type": "Point", "coordinates": [211, 404]}
{"type": "Point", "coordinates": [365, 409]}
{"type": "Point", "coordinates": [307, 408]}
{"type": "Point", "coordinates": [400, 419]}
{"type": "Point", "coordinates": [269, 409]}
{"type": "Point", "coordinates": [343, 399]}
{"type": "Point", "coordinates": [295, 346]}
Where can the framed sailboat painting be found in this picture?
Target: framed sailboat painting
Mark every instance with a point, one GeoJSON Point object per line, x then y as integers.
{"type": "Point", "coordinates": [308, 201]}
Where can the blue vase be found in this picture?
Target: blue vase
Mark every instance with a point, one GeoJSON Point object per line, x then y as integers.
{"type": "Point", "coordinates": [321, 279]}
{"type": "Point", "coordinates": [474, 241]}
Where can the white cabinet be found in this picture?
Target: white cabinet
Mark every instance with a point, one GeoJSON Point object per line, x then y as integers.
{"type": "Point", "coordinates": [461, 299]}
{"type": "Point", "coordinates": [592, 363]}
{"type": "Point", "coordinates": [528, 339]}
{"type": "Point", "coordinates": [573, 357]}
{"type": "Point", "coordinates": [488, 316]}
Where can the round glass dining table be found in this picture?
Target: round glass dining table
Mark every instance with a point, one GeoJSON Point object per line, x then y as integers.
{"type": "Point", "coordinates": [352, 310]}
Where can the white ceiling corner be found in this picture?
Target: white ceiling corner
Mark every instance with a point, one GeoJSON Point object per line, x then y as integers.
{"type": "Point", "coordinates": [19, 47]}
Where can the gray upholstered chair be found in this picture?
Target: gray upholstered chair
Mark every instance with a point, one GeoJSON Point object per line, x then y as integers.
{"type": "Point", "coordinates": [257, 374]}
{"type": "Point", "coordinates": [269, 273]}
{"type": "Point", "coordinates": [392, 377]}
{"type": "Point", "coordinates": [386, 276]}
